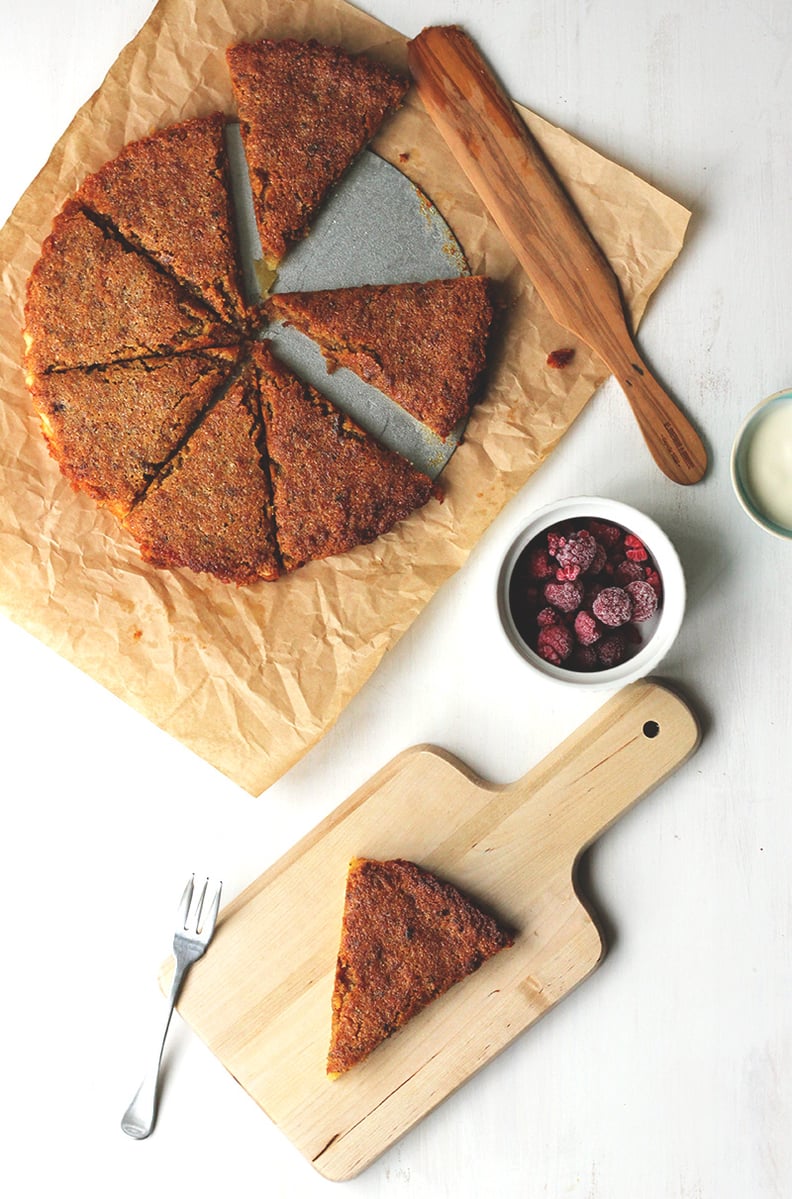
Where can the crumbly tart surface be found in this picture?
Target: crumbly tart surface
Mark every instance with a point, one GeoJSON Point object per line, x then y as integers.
{"type": "Point", "coordinates": [406, 937]}
{"type": "Point", "coordinates": [211, 510]}
{"type": "Point", "coordinates": [334, 487]}
{"type": "Point", "coordinates": [111, 428]}
{"type": "Point", "coordinates": [422, 344]}
{"type": "Point", "coordinates": [306, 111]}
{"type": "Point", "coordinates": [169, 195]}
{"type": "Point", "coordinates": [91, 298]}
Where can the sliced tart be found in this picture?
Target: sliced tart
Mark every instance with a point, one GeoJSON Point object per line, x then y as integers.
{"type": "Point", "coordinates": [422, 344]}
{"type": "Point", "coordinates": [211, 509]}
{"type": "Point", "coordinates": [306, 110]}
{"type": "Point", "coordinates": [168, 194]}
{"type": "Point", "coordinates": [334, 487]}
{"type": "Point", "coordinates": [93, 299]}
{"type": "Point", "coordinates": [406, 938]}
{"type": "Point", "coordinates": [112, 428]}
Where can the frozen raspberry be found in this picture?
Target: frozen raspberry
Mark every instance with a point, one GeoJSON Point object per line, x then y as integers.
{"type": "Point", "coordinates": [555, 643]}
{"type": "Point", "coordinates": [627, 571]}
{"type": "Point", "coordinates": [539, 564]}
{"type": "Point", "coordinates": [607, 535]}
{"type": "Point", "coordinates": [632, 634]}
{"type": "Point", "coordinates": [553, 542]}
{"type": "Point", "coordinates": [610, 650]}
{"type": "Point", "coordinates": [547, 617]}
{"type": "Point", "coordinates": [635, 548]}
{"type": "Point", "coordinates": [575, 554]}
{"type": "Point", "coordinates": [644, 599]}
{"type": "Point", "coordinates": [565, 596]}
{"type": "Point", "coordinates": [591, 592]}
{"type": "Point", "coordinates": [587, 629]}
{"type": "Point", "coordinates": [653, 579]}
{"type": "Point", "coordinates": [584, 657]}
{"type": "Point", "coordinates": [612, 606]}
{"type": "Point", "coordinates": [600, 558]}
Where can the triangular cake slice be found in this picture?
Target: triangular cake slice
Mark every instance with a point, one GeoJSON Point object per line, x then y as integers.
{"type": "Point", "coordinates": [211, 510]}
{"type": "Point", "coordinates": [334, 486]}
{"type": "Point", "coordinates": [406, 937]}
{"type": "Point", "coordinates": [422, 344]}
{"type": "Point", "coordinates": [306, 110]}
{"type": "Point", "coordinates": [111, 428]}
{"type": "Point", "coordinates": [92, 298]}
{"type": "Point", "coordinates": [169, 195]}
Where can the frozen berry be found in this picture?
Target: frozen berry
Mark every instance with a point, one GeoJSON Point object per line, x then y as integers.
{"type": "Point", "coordinates": [565, 596]}
{"type": "Point", "coordinates": [546, 617]}
{"type": "Point", "coordinates": [610, 650]}
{"type": "Point", "coordinates": [644, 599]}
{"type": "Point", "coordinates": [612, 606]}
{"type": "Point", "coordinates": [555, 643]}
{"type": "Point", "coordinates": [584, 657]}
{"type": "Point", "coordinates": [607, 535]}
{"type": "Point", "coordinates": [591, 591]}
{"type": "Point", "coordinates": [627, 571]}
{"type": "Point", "coordinates": [587, 629]}
{"type": "Point", "coordinates": [600, 558]}
{"type": "Point", "coordinates": [653, 579]}
{"type": "Point", "coordinates": [575, 554]}
{"type": "Point", "coordinates": [553, 542]}
{"type": "Point", "coordinates": [539, 564]}
{"type": "Point", "coordinates": [635, 548]}
{"type": "Point", "coordinates": [632, 634]}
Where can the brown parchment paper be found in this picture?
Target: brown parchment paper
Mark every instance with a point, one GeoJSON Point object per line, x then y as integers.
{"type": "Point", "coordinates": [251, 678]}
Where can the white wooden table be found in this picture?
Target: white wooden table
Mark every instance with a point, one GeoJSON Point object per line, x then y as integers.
{"type": "Point", "coordinates": [669, 1073]}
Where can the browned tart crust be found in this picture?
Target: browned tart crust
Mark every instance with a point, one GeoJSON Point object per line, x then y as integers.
{"type": "Point", "coordinates": [334, 486]}
{"type": "Point", "coordinates": [111, 428]}
{"type": "Point", "coordinates": [91, 298]}
{"type": "Point", "coordinates": [168, 194]}
{"type": "Point", "coordinates": [406, 937]}
{"type": "Point", "coordinates": [213, 455]}
{"type": "Point", "coordinates": [211, 510]}
{"type": "Point", "coordinates": [306, 111]}
{"type": "Point", "coordinates": [422, 344]}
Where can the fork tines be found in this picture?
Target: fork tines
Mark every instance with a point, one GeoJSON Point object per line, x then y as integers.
{"type": "Point", "coordinates": [190, 914]}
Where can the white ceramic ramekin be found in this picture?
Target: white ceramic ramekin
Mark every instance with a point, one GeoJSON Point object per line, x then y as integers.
{"type": "Point", "coordinates": [664, 628]}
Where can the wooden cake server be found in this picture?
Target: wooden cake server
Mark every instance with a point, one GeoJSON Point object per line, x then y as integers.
{"type": "Point", "coordinates": [521, 191]}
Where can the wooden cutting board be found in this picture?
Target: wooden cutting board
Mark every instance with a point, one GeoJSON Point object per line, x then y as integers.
{"type": "Point", "coordinates": [260, 998]}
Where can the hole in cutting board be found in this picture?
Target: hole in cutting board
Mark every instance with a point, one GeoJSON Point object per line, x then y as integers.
{"type": "Point", "coordinates": [651, 728]}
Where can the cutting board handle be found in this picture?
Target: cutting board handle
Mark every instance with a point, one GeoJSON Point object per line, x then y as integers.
{"type": "Point", "coordinates": [519, 187]}
{"type": "Point", "coordinates": [624, 750]}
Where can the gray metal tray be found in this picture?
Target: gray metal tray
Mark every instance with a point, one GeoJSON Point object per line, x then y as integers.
{"type": "Point", "coordinates": [375, 227]}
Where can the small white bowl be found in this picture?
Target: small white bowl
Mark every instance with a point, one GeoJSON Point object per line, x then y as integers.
{"type": "Point", "coordinates": [740, 456]}
{"type": "Point", "coordinates": [660, 632]}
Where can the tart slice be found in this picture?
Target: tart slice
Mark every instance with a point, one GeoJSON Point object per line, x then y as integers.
{"type": "Point", "coordinates": [306, 111]}
{"type": "Point", "coordinates": [406, 937]}
{"type": "Point", "coordinates": [168, 194]}
{"type": "Point", "coordinates": [111, 428]}
{"type": "Point", "coordinates": [211, 509]}
{"type": "Point", "coordinates": [422, 344]}
{"type": "Point", "coordinates": [334, 487]}
{"type": "Point", "coordinates": [91, 298]}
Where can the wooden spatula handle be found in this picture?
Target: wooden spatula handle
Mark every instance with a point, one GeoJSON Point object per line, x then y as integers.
{"type": "Point", "coordinates": [673, 443]}
{"type": "Point", "coordinates": [515, 181]}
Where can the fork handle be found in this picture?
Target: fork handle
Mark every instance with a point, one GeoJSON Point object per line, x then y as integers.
{"type": "Point", "coordinates": [141, 1115]}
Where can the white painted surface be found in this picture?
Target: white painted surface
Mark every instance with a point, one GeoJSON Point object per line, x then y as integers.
{"type": "Point", "coordinates": [669, 1072]}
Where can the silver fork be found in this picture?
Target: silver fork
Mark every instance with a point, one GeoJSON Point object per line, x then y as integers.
{"type": "Point", "coordinates": [193, 934]}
